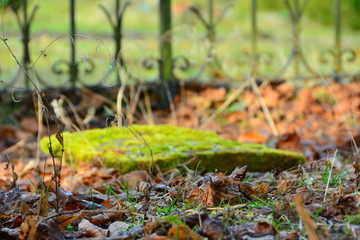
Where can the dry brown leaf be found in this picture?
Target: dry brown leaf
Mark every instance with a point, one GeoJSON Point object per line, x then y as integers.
{"type": "Point", "coordinates": [150, 227]}
{"type": "Point", "coordinates": [304, 100]}
{"type": "Point", "coordinates": [203, 194]}
{"type": "Point", "coordinates": [43, 204]}
{"type": "Point", "coordinates": [200, 103]}
{"type": "Point", "coordinates": [64, 221]}
{"type": "Point", "coordinates": [214, 94]}
{"type": "Point", "coordinates": [105, 218]}
{"type": "Point", "coordinates": [29, 124]}
{"type": "Point", "coordinates": [117, 226]}
{"type": "Point", "coordinates": [271, 97]}
{"type": "Point", "coordinates": [182, 232]}
{"type": "Point", "coordinates": [213, 228]}
{"type": "Point", "coordinates": [236, 117]}
{"type": "Point", "coordinates": [107, 203]}
{"type": "Point", "coordinates": [252, 137]}
{"type": "Point", "coordinates": [290, 142]}
{"type": "Point", "coordinates": [28, 229]}
{"type": "Point", "coordinates": [92, 230]}
{"type": "Point", "coordinates": [132, 179]}
{"type": "Point", "coordinates": [239, 174]}
{"type": "Point", "coordinates": [282, 185]}
{"type": "Point", "coordinates": [309, 224]}
{"type": "Point", "coordinates": [253, 190]}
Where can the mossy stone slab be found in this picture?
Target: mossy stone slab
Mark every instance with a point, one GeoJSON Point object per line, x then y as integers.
{"type": "Point", "coordinates": [135, 147]}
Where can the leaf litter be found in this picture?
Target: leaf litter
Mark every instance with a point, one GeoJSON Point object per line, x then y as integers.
{"type": "Point", "coordinates": [318, 200]}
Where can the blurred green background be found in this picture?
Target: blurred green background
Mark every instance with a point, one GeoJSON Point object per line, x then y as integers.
{"type": "Point", "coordinates": [141, 36]}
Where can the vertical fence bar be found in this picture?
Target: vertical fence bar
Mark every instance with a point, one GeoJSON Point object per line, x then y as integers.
{"type": "Point", "coordinates": [337, 24]}
{"type": "Point", "coordinates": [165, 66]}
{"type": "Point", "coordinates": [165, 61]}
{"type": "Point", "coordinates": [297, 57]}
{"type": "Point", "coordinates": [211, 29]}
{"type": "Point", "coordinates": [254, 39]}
{"type": "Point", "coordinates": [337, 52]}
{"type": "Point", "coordinates": [25, 41]}
{"type": "Point", "coordinates": [73, 63]}
{"type": "Point", "coordinates": [115, 22]}
{"type": "Point", "coordinates": [117, 33]}
{"type": "Point", "coordinates": [296, 29]}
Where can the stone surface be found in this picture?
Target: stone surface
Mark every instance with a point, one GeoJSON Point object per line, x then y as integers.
{"type": "Point", "coordinates": [142, 146]}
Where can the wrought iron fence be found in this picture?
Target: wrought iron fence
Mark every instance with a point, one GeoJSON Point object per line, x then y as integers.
{"type": "Point", "coordinates": [168, 63]}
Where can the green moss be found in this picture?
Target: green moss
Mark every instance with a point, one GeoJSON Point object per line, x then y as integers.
{"type": "Point", "coordinates": [167, 146]}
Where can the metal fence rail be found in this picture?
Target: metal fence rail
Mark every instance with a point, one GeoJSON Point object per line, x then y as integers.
{"type": "Point", "coordinates": [167, 63]}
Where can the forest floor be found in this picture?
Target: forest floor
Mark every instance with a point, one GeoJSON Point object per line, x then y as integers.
{"type": "Point", "coordinates": [317, 200]}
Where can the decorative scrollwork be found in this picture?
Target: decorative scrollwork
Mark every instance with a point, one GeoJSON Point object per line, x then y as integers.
{"type": "Point", "coordinates": [56, 67]}
{"type": "Point", "coordinates": [351, 54]}
{"type": "Point", "coordinates": [62, 66]}
{"type": "Point", "coordinates": [181, 62]}
{"type": "Point", "coordinates": [325, 55]}
{"type": "Point", "coordinates": [150, 62]}
{"type": "Point", "coordinates": [338, 56]}
{"type": "Point", "coordinates": [116, 22]}
{"type": "Point", "coordinates": [89, 65]}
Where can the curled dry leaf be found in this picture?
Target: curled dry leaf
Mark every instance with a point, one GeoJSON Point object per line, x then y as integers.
{"type": "Point", "coordinates": [213, 228]}
{"type": "Point", "coordinates": [65, 220]}
{"type": "Point", "coordinates": [29, 124]}
{"type": "Point", "coordinates": [290, 142]}
{"type": "Point", "coordinates": [239, 174]}
{"type": "Point", "coordinates": [104, 218]}
{"type": "Point", "coordinates": [196, 219]}
{"type": "Point", "coordinates": [117, 226]}
{"type": "Point", "coordinates": [28, 229]}
{"type": "Point", "coordinates": [341, 205]}
{"type": "Point", "coordinates": [253, 137]}
{"type": "Point", "coordinates": [253, 190]}
{"type": "Point", "coordinates": [182, 232]}
{"type": "Point", "coordinates": [132, 179]}
{"type": "Point", "coordinates": [92, 230]}
{"type": "Point", "coordinates": [253, 231]}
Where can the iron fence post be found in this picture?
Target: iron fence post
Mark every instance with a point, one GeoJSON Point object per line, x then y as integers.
{"type": "Point", "coordinates": [26, 40]}
{"type": "Point", "coordinates": [165, 66]}
{"type": "Point", "coordinates": [296, 56]}
{"type": "Point", "coordinates": [211, 29]}
{"type": "Point", "coordinates": [24, 23]}
{"type": "Point", "coordinates": [337, 52]}
{"type": "Point", "coordinates": [116, 25]}
{"type": "Point", "coordinates": [73, 63]}
{"type": "Point", "coordinates": [254, 39]}
{"type": "Point", "coordinates": [337, 25]}
{"type": "Point", "coordinates": [165, 61]}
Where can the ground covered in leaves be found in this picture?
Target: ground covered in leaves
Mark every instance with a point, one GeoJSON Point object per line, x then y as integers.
{"type": "Point", "coordinates": [317, 200]}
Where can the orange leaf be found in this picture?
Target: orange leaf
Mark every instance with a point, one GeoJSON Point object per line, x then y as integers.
{"type": "Point", "coordinates": [64, 221]}
{"type": "Point", "coordinates": [305, 217]}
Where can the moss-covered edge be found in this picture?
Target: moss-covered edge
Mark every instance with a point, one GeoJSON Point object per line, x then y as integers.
{"type": "Point", "coordinates": [130, 148]}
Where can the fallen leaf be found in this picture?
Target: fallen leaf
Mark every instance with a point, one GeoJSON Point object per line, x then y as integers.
{"type": "Point", "coordinates": [65, 220]}
{"type": "Point", "coordinates": [252, 137]}
{"type": "Point", "coordinates": [309, 224]}
{"type": "Point", "coordinates": [117, 226]}
{"type": "Point", "coordinates": [29, 124]}
{"type": "Point", "coordinates": [132, 179]}
{"type": "Point", "coordinates": [290, 142]}
{"type": "Point", "coordinates": [28, 229]}
{"type": "Point", "coordinates": [213, 228]}
{"type": "Point", "coordinates": [91, 230]}
{"type": "Point", "coordinates": [182, 232]}
{"type": "Point", "coordinates": [214, 94]}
